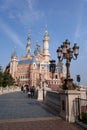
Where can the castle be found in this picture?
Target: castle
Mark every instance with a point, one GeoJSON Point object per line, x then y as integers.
{"type": "Point", "coordinates": [33, 69]}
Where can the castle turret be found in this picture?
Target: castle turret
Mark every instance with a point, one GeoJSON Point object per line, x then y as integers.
{"type": "Point", "coordinates": [13, 64]}
{"type": "Point", "coordinates": [28, 46]}
{"type": "Point", "coordinates": [46, 40]}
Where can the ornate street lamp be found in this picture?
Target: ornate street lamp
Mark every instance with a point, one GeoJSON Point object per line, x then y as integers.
{"type": "Point", "coordinates": [52, 67]}
{"type": "Point", "coordinates": [78, 79]}
{"type": "Point", "coordinates": [65, 52]}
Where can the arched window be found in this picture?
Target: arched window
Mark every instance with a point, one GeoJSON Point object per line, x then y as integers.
{"type": "Point", "coordinates": [34, 65]}
{"type": "Point", "coordinates": [56, 76]}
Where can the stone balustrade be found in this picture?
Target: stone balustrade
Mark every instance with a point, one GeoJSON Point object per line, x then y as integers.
{"type": "Point", "coordinates": [53, 99]}
{"type": "Point", "coordinates": [9, 89]}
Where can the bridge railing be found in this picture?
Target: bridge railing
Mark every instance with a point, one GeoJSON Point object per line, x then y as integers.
{"type": "Point", "coordinates": [81, 110]}
{"type": "Point", "coordinates": [9, 89]}
{"type": "Point", "coordinates": [53, 100]}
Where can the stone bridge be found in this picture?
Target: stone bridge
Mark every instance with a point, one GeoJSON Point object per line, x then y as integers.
{"type": "Point", "coordinates": [17, 111]}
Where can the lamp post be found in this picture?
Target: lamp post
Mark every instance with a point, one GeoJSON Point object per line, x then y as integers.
{"type": "Point", "coordinates": [52, 67]}
{"type": "Point", "coordinates": [78, 79]}
{"type": "Point", "coordinates": [65, 52]}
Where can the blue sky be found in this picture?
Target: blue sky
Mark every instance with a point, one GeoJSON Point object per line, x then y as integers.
{"type": "Point", "coordinates": [65, 19]}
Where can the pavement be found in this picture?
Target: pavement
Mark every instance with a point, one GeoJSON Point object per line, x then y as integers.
{"type": "Point", "coordinates": [18, 112]}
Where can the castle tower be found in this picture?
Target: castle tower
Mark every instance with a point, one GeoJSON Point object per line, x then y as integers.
{"type": "Point", "coordinates": [13, 64]}
{"type": "Point", "coordinates": [46, 40]}
{"type": "Point", "coordinates": [28, 46]}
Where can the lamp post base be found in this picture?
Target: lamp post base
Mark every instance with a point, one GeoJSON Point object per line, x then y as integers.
{"type": "Point", "coordinates": [68, 84]}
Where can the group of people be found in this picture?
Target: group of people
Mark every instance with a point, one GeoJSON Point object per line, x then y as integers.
{"type": "Point", "coordinates": [29, 90]}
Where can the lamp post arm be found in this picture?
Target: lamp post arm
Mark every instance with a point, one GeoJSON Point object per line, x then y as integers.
{"type": "Point", "coordinates": [61, 58]}
{"type": "Point", "coordinates": [74, 57]}
{"type": "Point", "coordinates": [68, 69]}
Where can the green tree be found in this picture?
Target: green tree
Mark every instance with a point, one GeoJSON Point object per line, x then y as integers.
{"type": "Point", "coordinates": [1, 75]}
{"type": "Point", "coordinates": [7, 80]}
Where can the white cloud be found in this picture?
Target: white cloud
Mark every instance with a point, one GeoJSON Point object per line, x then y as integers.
{"type": "Point", "coordinates": [6, 5]}
{"type": "Point", "coordinates": [30, 4]}
{"type": "Point", "coordinates": [77, 33]}
{"type": "Point", "coordinates": [24, 11]}
{"type": "Point", "coordinates": [79, 20]}
{"type": "Point", "coordinates": [11, 34]}
{"type": "Point", "coordinates": [85, 0]}
{"type": "Point", "coordinates": [85, 46]}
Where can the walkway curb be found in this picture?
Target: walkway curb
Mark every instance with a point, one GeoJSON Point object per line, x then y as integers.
{"type": "Point", "coordinates": [30, 119]}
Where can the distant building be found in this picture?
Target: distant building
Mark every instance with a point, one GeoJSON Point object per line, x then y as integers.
{"type": "Point", "coordinates": [33, 69]}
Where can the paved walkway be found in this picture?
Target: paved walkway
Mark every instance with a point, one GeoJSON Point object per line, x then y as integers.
{"type": "Point", "coordinates": [18, 112]}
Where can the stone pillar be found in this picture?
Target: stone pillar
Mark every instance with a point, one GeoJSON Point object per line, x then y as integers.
{"type": "Point", "coordinates": [83, 93]}
{"type": "Point", "coordinates": [1, 89]}
{"type": "Point", "coordinates": [40, 94]}
{"type": "Point", "coordinates": [67, 98]}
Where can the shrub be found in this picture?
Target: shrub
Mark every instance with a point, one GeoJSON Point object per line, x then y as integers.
{"type": "Point", "coordinates": [84, 117]}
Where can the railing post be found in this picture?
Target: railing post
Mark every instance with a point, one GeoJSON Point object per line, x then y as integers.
{"type": "Point", "coordinates": [79, 108]}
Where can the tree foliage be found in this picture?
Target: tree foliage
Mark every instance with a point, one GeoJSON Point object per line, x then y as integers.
{"type": "Point", "coordinates": [1, 75]}
{"type": "Point", "coordinates": [5, 79]}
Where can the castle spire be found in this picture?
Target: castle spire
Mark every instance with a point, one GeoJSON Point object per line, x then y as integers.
{"type": "Point", "coordinates": [46, 35]}
{"type": "Point", "coordinates": [28, 46]}
{"type": "Point", "coordinates": [14, 54]}
{"type": "Point", "coordinates": [46, 40]}
{"type": "Point", "coordinates": [13, 63]}
{"type": "Point", "coordinates": [28, 39]}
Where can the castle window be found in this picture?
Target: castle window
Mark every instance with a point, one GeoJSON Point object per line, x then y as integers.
{"type": "Point", "coordinates": [34, 65]}
{"type": "Point", "coordinates": [56, 76]}
{"type": "Point", "coordinates": [42, 67]}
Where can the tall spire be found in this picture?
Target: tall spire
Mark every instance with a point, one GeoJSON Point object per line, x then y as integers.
{"type": "Point", "coordinates": [46, 40]}
{"type": "Point", "coordinates": [28, 46]}
{"type": "Point", "coordinates": [14, 54]}
{"type": "Point", "coordinates": [13, 63]}
{"type": "Point", "coordinates": [28, 39]}
{"type": "Point", "coordinates": [46, 35]}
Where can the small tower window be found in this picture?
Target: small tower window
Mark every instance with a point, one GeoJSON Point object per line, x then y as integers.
{"type": "Point", "coordinates": [42, 67]}
{"type": "Point", "coordinates": [34, 65]}
{"type": "Point", "coordinates": [56, 76]}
